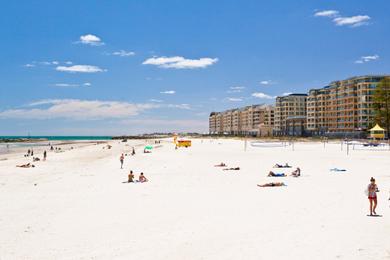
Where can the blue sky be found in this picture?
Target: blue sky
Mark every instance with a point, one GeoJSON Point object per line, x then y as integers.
{"type": "Point", "coordinates": [127, 67]}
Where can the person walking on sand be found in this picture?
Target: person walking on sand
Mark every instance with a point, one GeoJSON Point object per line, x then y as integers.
{"type": "Point", "coordinates": [133, 152]}
{"type": "Point", "coordinates": [44, 155]}
{"type": "Point", "coordinates": [372, 189]}
{"type": "Point", "coordinates": [121, 159]}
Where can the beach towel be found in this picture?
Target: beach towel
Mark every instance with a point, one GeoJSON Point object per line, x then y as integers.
{"type": "Point", "coordinates": [337, 170]}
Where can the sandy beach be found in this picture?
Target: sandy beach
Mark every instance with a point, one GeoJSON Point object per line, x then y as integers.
{"type": "Point", "coordinates": [77, 204]}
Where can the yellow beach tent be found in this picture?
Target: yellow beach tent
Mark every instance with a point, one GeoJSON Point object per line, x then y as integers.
{"type": "Point", "coordinates": [377, 132]}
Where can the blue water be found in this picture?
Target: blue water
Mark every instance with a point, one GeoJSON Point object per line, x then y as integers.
{"type": "Point", "coordinates": [60, 138]}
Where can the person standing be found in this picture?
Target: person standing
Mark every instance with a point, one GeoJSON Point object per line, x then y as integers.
{"type": "Point", "coordinates": [372, 189]}
{"type": "Point", "coordinates": [121, 159]}
{"type": "Point", "coordinates": [44, 155]}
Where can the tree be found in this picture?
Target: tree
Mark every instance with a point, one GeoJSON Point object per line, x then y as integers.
{"type": "Point", "coordinates": [381, 104]}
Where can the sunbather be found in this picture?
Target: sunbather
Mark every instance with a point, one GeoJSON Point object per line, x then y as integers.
{"type": "Point", "coordinates": [282, 166]}
{"type": "Point", "coordinates": [232, 169]}
{"type": "Point", "coordinates": [28, 165]}
{"type": "Point", "coordinates": [272, 174]}
{"type": "Point", "coordinates": [220, 165]}
{"type": "Point", "coordinates": [272, 184]}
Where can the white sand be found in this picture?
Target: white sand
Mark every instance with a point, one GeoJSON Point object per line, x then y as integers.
{"type": "Point", "coordinates": [80, 209]}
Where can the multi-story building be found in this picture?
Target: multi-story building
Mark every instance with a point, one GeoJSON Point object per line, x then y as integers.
{"type": "Point", "coordinates": [251, 120]}
{"type": "Point", "coordinates": [344, 107]}
{"type": "Point", "coordinates": [290, 114]}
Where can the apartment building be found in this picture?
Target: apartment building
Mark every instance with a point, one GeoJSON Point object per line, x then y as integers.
{"type": "Point", "coordinates": [343, 107]}
{"type": "Point", "coordinates": [251, 120]}
{"type": "Point", "coordinates": [290, 115]}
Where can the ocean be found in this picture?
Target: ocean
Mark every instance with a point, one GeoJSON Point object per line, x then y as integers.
{"type": "Point", "coordinates": [9, 147]}
{"type": "Point", "coordinates": [59, 138]}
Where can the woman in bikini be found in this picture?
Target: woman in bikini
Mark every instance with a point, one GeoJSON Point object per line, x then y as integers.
{"type": "Point", "coordinates": [372, 190]}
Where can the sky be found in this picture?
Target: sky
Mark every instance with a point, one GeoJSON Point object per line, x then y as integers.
{"type": "Point", "coordinates": [131, 67]}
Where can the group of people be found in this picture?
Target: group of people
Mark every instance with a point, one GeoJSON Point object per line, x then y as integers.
{"type": "Point", "coordinates": [141, 177]}
{"type": "Point", "coordinates": [295, 173]}
{"type": "Point", "coordinates": [222, 164]}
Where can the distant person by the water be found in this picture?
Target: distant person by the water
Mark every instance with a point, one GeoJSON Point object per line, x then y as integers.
{"type": "Point", "coordinates": [272, 184]}
{"type": "Point", "coordinates": [32, 152]}
{"type": "Point", "coordinates": [133, 152]}
{"type": "Point", "coordinates": [296, 173]}
{"type": "Point", "coordinates": [28, 152]}
{"type": "Point", "coordinates": [44, 155]}
{"type": "Point", "coordinates": [51, 148]}
{"type": "Point", "coordinates": [121, 159]}
{"type": "Point", "coordinates": [131, 177]}
{"type": "Point", "coordinates": [372, 189]}
{"type": "Point", "coordinates": [142, 178]}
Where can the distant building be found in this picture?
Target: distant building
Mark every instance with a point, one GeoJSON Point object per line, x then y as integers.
{"type": "Point", "coordinates": [290, 115]}
{"type": "Point", "coordinates": [253, 120]}
{"type": "Point", "coordinates": [343, 108]}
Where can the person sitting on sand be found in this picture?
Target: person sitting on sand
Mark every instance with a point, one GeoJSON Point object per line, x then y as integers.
{"type": "Point", "coordinates": [28, 165]}
{"type": "Point", "coordinates": [131, 177]}
{"type": "Point", "coordinates": [232, 169]}
{"type": "Point", "coordinates": [272, 174]}
{"type": "Point", "coordinates": [142, 178]}
{"type": "Point", "coordinates": [272, 184]}
{"type": "Point", "coordinates": [296, 173]}
{"type": "Point", "coordinates": [36, 159]}
{"type": "Point", "coordinates": [220, 165]}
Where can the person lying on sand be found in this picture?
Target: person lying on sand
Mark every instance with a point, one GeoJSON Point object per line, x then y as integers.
{"type": "Point", "coordinates": [272, 184]}
{"type": "Point", "coordinates": [232, 169]}
{"type": "Point", "coordinates": [272, 174]}
{"type": "Point", "coordinates": [28, 165]}
{"type": "Point", "coordinates": [130, 177]}
{"type": "Point", "coordinates": [142, 178]}
{"type": "Point", "coordinates": [296, 173]}
{"type": "Point", "coordinates": [282, 166]}
{"type": "Point", "coordinates": [36, 159]}
{"type": "Point", "coordinates": [220, 165]}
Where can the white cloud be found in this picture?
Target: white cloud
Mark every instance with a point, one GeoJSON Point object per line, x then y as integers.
{"type": "Point", "coordinates": [179, 106]}
{"type": "Point", "coordinates": [262, 95]}
{"type": "Point", "coordinates": [123, 53]}
{"type": "Point", "coordinates": [234, 99]}
{"type": "Point", "coordinates": [178, 62]}
{"type": "Point", "coordinates": [265, 82]}
{"type": "Point", "coordinates": [68, 62]}
{"type": "Point", "coordinates": [77, 109]}
{"type": "Point", "coordinates": [237, 89]}
{"type": "Point", "coordinates": [286, 93]}
{"type": "Point", "coordinates": [91, 39]}
{"type": "Point", "coordinates": [55, 62]}
{"type": "Point", "coordinates": [66, 85]}
{"type": "Point", "coordinates": [353, 21]}
{"type": "Point", "coordinates": [327, 13]}
{"type": "Point", "coordinates": [365, 59]}
{"type": "Point", "coordinates": [168, 92]}
{"type": "Point", "coordinates": [87, 84]}
{"type": "Point", "coordinates": [155, 100]}
{"type": "Point", "coordinates": [29, 65]}
{"type": "Point", "coordinates": [80, 69]}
